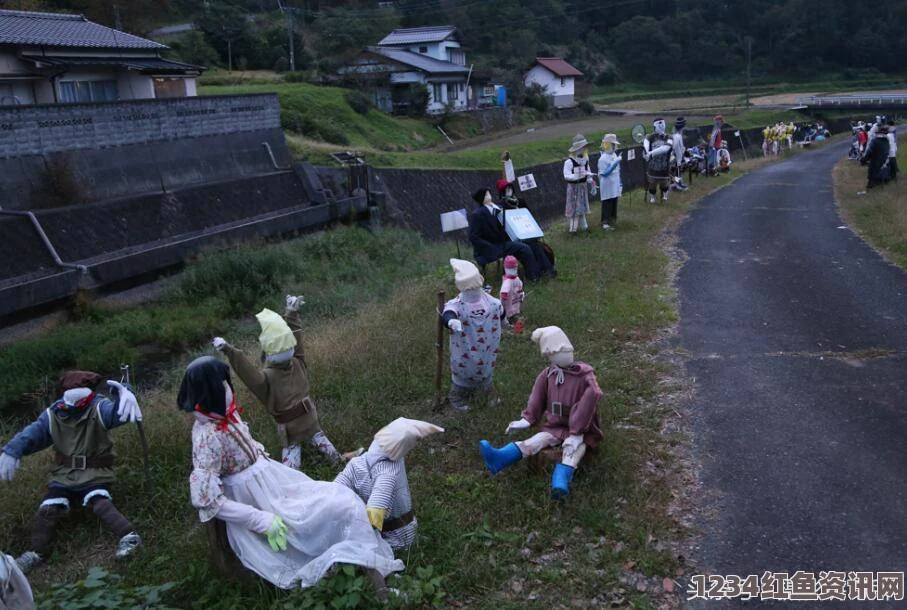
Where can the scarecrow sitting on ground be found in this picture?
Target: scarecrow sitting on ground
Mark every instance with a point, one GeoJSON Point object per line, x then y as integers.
{"type": "Point", "coordinates": [77, 426]}
{"type": "Point", "coordinates": [564, 401]}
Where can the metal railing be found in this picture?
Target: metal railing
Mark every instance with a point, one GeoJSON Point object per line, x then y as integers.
{"type": "Point", "coordinates": [856, 100]}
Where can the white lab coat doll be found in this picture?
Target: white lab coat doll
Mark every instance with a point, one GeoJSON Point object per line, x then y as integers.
{"type": "Point", "coordinates": [610, 186]}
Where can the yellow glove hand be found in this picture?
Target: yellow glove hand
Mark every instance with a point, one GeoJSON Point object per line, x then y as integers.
{"type": "Point", "coordinates": [376, 517]}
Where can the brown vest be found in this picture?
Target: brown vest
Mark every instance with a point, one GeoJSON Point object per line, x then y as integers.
{"type": "Point", "coordinates": [75, 438]}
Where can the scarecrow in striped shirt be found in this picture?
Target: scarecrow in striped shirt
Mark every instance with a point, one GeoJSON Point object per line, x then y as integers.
{"type": "Point", "coordinates": [379, 478]}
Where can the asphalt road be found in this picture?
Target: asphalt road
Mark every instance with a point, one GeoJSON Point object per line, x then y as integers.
{"type": "Point", "coordinates": [797, 338]}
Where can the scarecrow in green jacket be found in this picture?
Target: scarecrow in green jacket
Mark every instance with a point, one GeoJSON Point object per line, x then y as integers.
{"type": "Point", "coordinates": [78, 427]}
{"type": "Point", "coordinates": [283, 384]}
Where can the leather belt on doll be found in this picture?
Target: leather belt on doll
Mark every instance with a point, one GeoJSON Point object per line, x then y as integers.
{"type": "Point", "coordinates": [83, 462]}
{"type": "Point", "coordinates": [294, 412]}
{"type": "Point", "coordinates": [560, 409]}
{"type": "Point", "coordinates": [398, 522]}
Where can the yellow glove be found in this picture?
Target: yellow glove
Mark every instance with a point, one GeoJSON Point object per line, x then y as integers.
{"type": "Point", "coordinates": [376, 517]}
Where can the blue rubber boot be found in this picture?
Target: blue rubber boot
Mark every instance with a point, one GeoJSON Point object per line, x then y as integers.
{"type": "Point", "coordinates": [560, 481]}
{"type": "Point", "coordinates": [498, 459]}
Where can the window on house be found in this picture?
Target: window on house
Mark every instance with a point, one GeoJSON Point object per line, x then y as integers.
{"type": "Point", "coordinates": [488, 91]}
{"type": "Point", "coordinates": [563, 81]}
{"type": "Point", "coordinates": [89, 91]}
{"type": "Point", "coordinates": [423, 49]}
{"type": "Point", "coordinates": [436, 93]}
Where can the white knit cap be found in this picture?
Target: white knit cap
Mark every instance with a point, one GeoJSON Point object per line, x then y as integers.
{"type": "Point", "coordinates": [466, 275]}
{"type": "Point", "coordinates": [398, 437]}
{"type": "Point", "coordinates": [551, 340]}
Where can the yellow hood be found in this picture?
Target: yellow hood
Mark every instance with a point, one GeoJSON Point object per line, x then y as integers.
{"type": "Point", "coordinates": [275, 335]}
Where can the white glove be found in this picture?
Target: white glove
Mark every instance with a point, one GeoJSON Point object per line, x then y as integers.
{"type": "Point", "coordinates": [128, 408]}
{"type": "Point", "coordinates": [294, 303]}
{"type": "Point", "coordinates": [8, 467]}
{"type": "Point", "coordinates": [520, 424]}
{"type": "Point", "coordinates": [219, 343]}
{"type": "Point", "coordinates": [455, 326]}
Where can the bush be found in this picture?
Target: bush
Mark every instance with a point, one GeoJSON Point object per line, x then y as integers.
{"type": "Point", "coordinates": [58, 186]}
{"type": "Point", "coordinates": [282, 64]}
{"type": "Point", "coordinates": [358, 101]}
{"type": "Point", "coordinates": [101, 589]}
{"type": "Point", "coordinates": [537, 97]}
{"type": "Point", "coordinates": [298, 121]}
{"type": "Point", "coordinates": [193, 48]}
{"type": "Point", "coordinates": [587, 107]}
{"type": "Point", "coordinates": [296, 77]}
{"type": "Point", "coordinates": [418, 100]}
{"type": "Point", "coordinates": [239, 279]}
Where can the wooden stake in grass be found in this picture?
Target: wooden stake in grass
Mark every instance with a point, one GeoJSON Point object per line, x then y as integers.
{"type": "Point", "coordinates": [439, 365]}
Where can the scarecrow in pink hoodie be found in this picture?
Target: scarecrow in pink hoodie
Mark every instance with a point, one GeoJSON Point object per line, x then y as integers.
{"type": "Point", "coordinates": [564, 402]}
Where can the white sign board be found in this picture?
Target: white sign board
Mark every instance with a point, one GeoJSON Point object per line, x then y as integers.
{"type": "Point", "coordinates": [527, 182]}
{"type": "Point", "coordinates": [454, 221]}
{"type": "Point", "coordinates": [520, 224]}
{"type": "Point", "coordinates": [631, 154]}
{"type": "Point", "coordinates": [509, 174]}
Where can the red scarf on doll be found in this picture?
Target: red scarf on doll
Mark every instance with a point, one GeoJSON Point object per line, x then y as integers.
{"type": "Point", "coordinates": [223, 421]}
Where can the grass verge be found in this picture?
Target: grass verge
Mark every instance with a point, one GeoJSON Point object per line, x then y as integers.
{"type": "Point", "coordinates": [879, 215]}
{"type": "Point", "coordinates": [323, 114]}
{"type": "Point", "coordinates": [495, 542]}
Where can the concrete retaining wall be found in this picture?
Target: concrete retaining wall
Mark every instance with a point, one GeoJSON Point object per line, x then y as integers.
{"type": "Point", "coordinates": [125, 238]}
{"type": "Point", "coordinates": [123, 149]}
{"type": "Point", "coordinates": [417, 198]}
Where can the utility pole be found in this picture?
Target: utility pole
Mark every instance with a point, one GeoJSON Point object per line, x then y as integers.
{"type": "Point", "coordinates": [118, 23]}
{"type": "Point", "coordinates": [288, 15]}
{"type": "Point", "coordinates": [749, 66]}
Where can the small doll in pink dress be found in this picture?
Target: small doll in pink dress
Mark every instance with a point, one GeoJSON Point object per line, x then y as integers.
{"type": "Point", "coordinates": [512, 294]}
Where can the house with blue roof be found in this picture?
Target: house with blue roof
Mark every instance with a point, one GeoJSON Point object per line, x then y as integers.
{"type": "Point", "coordinates": [48, 58]}
{"type": "Point", "coordinates": [432, 57]}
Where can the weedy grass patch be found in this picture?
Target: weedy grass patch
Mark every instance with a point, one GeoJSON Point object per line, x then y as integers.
{"type": "Point", "coordinates": [879, 214]}
{"type": "Point", "coordinates": [324, 114]}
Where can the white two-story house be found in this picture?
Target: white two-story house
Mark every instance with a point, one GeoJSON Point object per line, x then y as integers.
{"type": "Point", "coordinates": [427, 56]}
{"type": "Point", "coordinates": [48, 58]}
{"type": "Point", "coordinates": [556, 77]}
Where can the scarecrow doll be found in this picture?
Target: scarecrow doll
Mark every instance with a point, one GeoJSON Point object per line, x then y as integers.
{"type": "Point", "coordinates": [283, 384]}
{"type": "Point", "coordinates": [579, 180]}
{"type": "Point", "coordinates": [379, 478]}
{"type": "Point", "coordinates": [512, 294]}
{"type": "Point", "coordinates": [77, 426]}
{"type": "Point", "coordinates": [610, 187]}
{"type": "Point", "coordinates": [474, 319]}
{"type": "Point", "coordinates": [657, 148]}
{"type": "Point", "coordinates": [564, 401]}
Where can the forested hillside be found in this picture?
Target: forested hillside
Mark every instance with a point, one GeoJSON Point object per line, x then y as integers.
{"type": "Point", "coordinates": [612, 41]}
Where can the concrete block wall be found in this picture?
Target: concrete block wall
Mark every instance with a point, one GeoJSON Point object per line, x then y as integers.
{"type": "Point", "coordinates": [134, 148]}
{"type": "Point", "coordinates": [42, 129]}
